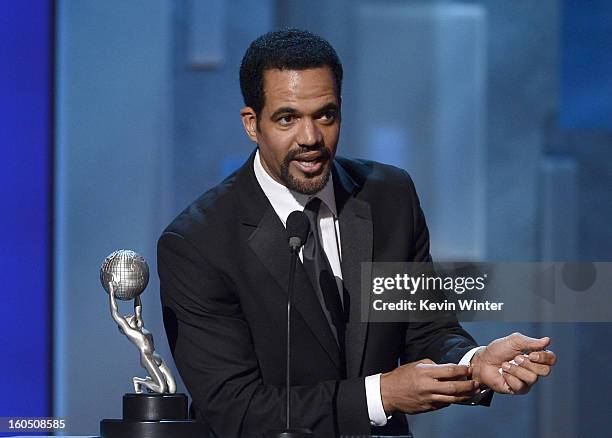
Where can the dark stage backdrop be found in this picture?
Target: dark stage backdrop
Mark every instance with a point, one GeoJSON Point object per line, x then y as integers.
{"type": "Point", "coordinates": [586, 65]}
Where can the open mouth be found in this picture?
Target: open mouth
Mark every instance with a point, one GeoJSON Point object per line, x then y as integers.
{"type": "Point", "coordinates": [309, 164]}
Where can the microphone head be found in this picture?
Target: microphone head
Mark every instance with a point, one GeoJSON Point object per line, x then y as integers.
{"type": "Point", "coordinates": [298, 227]}
{"type": "Point", "coordinates": [128, 270]}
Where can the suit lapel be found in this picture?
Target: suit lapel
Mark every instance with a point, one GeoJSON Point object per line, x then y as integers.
{"type": "Point", "coordinates": [273, 252]}
{"type": "Point", "coordinates": [356, 236]}
{"type": "Point", "coordinates": [266, 237]}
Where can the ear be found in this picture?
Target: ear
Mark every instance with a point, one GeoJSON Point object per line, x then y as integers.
{"type": "Point", "coordinates": [249, 121]}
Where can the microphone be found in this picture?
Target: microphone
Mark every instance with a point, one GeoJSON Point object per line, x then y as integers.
{"type": "Point", "coordinates": [298, 227]}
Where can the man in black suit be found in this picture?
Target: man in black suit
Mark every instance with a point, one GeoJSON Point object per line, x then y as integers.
{"type": "Point", "coordinates": [223, 265]}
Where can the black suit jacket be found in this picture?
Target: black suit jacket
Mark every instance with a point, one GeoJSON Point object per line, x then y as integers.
{"type": "Point", "coordinates": [223, 265]}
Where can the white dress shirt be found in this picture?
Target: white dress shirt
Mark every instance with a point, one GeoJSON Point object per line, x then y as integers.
{"type": "Point", "coordinates": [284, 201]}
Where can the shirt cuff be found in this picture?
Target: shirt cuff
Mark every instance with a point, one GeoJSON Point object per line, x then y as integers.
{"type": "Point", "coordinates": [467, 357]}
{"type": "Point", "coordinates": [376, 412]}
{"type": "Point", "coordinates": [484, 392]}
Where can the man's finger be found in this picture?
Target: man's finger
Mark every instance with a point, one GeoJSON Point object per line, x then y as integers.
{"type": "Point", "coordinates": [448, 371]}
{"type": "Point", "coordinates": [525, 375]}
{"type": "Point", "coordinates": [539, 369]}
{"type": "Point", "coordinates": [504, 388]}
{"type": "Point", "coordinates": [448, 399]}
{"type": "Point", "coordinates": [462, 388]}
{"type": "Point", "coordinates": [521, 342]}
{"type": "Point", "coordinates": [516, 385]}
{"type": "Point", "coordinates": [543, 357]}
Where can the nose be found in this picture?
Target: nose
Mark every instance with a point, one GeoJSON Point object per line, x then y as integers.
{"type": "Point", "coordinates": [309, 135]}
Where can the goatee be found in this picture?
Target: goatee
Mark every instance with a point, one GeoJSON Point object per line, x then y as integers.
{"type": "Point", "coordinates": [308, 185]}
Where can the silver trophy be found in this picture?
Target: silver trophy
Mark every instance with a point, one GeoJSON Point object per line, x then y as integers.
{"type": "Point", "coordinates": [124, 275]}
{"type": "Point", "coordinates": [157, 412]}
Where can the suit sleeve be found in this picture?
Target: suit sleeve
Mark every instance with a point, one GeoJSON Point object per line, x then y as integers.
{"type": "Point", "coordinates": [443, 340]}
{"type": "Point", "coordinates": [211, 344]}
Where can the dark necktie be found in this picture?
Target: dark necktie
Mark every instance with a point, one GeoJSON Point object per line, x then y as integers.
{"type": "Point", "coordinates": [322, 277]}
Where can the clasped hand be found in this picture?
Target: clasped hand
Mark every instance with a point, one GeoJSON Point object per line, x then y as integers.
{"type": "Point", "coordinates": [424, 385]}
{"type": "Point", "coordinates": [513, 364]}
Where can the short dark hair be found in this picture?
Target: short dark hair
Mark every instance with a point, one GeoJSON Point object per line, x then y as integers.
{"type": "Point", "coordinates": [288, 49]}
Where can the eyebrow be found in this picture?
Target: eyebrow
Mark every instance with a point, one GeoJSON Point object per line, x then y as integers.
{"type": "Point", "coordinates": [289, 110]}
{"type": "Point", "coordinates": [329, 107]}
{"type": "Point", "coordinates": [283, 110]}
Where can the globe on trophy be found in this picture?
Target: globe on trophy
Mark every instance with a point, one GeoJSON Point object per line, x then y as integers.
{"type": "Point", "coordinates": [154, 410]}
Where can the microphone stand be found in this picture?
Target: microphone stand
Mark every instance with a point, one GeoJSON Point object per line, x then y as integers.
{"type": "Point", "coordinates": [289, 432]}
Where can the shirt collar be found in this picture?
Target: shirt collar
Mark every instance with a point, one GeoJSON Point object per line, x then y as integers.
{"type": "Point", "coordinates": [283, 200]}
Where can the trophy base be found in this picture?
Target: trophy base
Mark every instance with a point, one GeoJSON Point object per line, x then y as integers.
{"type": "Point", "coordinates": [153, 416]}
{"type": "Point", "coordinates": [151, 429]}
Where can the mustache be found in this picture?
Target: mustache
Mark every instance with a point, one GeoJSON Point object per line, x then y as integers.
{"type": "Point", "coordinates": [324, 152]}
